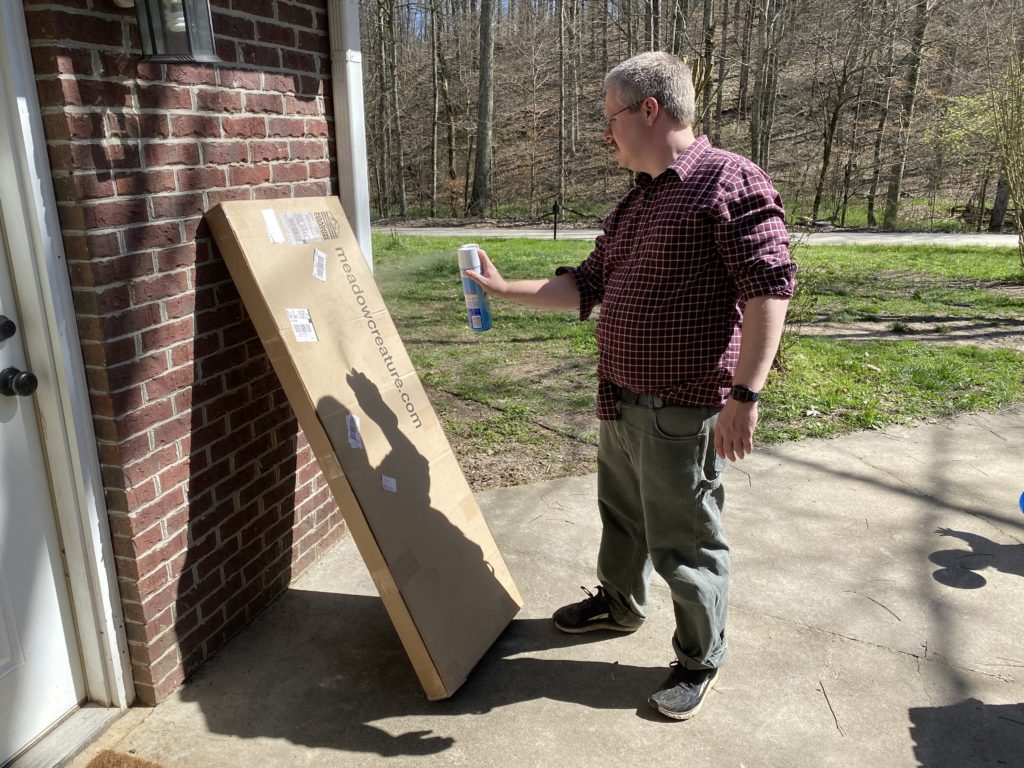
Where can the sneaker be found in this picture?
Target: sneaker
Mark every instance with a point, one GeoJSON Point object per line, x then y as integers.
{"type": "Point", "coordinates": [589, 615]}
{"type": "Point", "coordinates": [681, 695]}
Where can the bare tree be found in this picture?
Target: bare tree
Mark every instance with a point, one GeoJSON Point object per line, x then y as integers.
{"type": "Point", "coordinates": [922, 15]}
{"type": "Point", "coordinates": [480, 199]}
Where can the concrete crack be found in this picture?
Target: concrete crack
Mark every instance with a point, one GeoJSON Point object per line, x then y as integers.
{"type": "Point", "coordinates": [830, 709]}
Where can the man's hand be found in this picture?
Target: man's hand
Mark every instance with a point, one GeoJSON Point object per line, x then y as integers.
{"type": "Point", "coordinates": [734, 434]}
{"type": "Point", "coordinates": [489, 278]}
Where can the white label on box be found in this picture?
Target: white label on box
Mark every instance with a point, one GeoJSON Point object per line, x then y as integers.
{"type": "Point", "coordinates": [388, 484]}
{"type": "Point", "coordinates": [354, 438]}
{"type": "Point", "coordinates": [302, 325]}
{"type": "Point", "coordinates": [301, 228]}
{"type": "Point", "coordinates": [319, 265]}
{"type": "Point", "coordinates": [273, 228]}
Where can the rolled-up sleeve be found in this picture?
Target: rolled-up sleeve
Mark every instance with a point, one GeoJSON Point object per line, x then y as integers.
{"type": "Point", "coordinates": [751, 235]}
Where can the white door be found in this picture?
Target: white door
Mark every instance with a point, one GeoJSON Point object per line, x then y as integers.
{"type": "Point", "coordinates": [40, 669]}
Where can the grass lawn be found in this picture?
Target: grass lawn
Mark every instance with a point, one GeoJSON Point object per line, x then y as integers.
{"type": "Point", "coordinates": [519, 391]}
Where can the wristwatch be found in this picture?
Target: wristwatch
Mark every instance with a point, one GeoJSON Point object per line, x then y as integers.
{"type": "Point", "coordinates": [744, 394]}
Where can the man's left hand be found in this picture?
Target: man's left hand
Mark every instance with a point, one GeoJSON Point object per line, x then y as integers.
{"type": "Point", "coordinates": [734, 435]}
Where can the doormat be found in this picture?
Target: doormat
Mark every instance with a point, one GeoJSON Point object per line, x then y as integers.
{"type": "Point", "coordinates": [108, 758]}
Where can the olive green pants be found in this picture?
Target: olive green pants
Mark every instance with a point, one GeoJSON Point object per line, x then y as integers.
{"type": "Point", "coordinates": [660, 496]}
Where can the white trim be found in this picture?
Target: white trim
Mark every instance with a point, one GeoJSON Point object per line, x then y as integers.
{"type": "Point", "coordinates": [350, 119]}
{"type": "Point", "coordinates": [44, 290]}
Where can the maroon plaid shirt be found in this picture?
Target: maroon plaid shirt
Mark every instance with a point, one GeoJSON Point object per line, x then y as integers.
{"type": "Point", "coordinates": [680, 256]}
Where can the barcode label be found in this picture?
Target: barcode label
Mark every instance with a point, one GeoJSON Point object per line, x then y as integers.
{"type": "Point", "coordinates": [354, 438]}
{"type": "Point", "coordinates": [302, 325]}
{"type": "Point", "coordinates": [300, 228]}
{"type": "Point", "coordinates": [319, 265]}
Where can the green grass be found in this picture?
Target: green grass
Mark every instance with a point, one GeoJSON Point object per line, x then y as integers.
{"type": "Point", "coordinates": [537, 368]}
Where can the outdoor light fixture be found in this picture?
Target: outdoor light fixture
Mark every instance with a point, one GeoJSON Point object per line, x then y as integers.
{"type": "Point", "coordinates": [176, 30]}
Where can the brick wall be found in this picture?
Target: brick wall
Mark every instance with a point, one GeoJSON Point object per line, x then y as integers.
{"type": "Point", "coordinates": [214, 498]}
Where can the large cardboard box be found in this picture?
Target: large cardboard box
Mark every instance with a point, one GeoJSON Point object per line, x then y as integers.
{"type": "Point", "coordinates": [379, 443]}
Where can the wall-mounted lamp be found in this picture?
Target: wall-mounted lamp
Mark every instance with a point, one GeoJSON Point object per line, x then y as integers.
{"type": "Point", "coordinates": [175, 30]}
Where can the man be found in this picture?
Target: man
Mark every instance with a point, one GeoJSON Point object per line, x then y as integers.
{"type": "Point", "coordinates": [694, 277]}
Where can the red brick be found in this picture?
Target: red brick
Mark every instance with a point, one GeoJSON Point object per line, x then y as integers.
{"type": "Point", "coordinates": [192, 74]}
{"type": "Point", "coordinates": [294, 14]}
{"type": "Point", "coordinates": [153, 236]}
{"type": "Point", "coordinates": [200, 178]}
{"type": "Point", "coordinates": [174, 380]}
{"type": "Point", "coordinates": [218, 100]}
{"type": "Point", "coordinates": [171, 153]}
{"type": "Point", "coordinates": [177, 206]}
{"type": "Point", "coordinates": [203, 126]}
{"type": "Point", "coordinates": [247, 175]}
{"type": "Point", "coordinates": [275, 83]}
{"type": "Point", "coordinates": [126, 400]}
{"type": "Point", "coordinates": [167, 334]}
{"type": "Point", "coordinates": [136, 371]}
{"type": "Point", "coordinates": [179, 306]}
{"type": "Point", "coordinates": [225, 25]}
{"type": "Point", "coordinates": [275, 192]}
{"type": "Point", "coordinates": [299, 61]}
{"type": "Point", "coordinates": [144, 182]}
{"type": "Point", "coordinates": [160, 287]}
{"type": "Point", "coordinates": [263, 151]}
{"type": "Point", "coordinates": [244, 79]}
{"type": "Point", "coordinates": [160, 96]}
{"type": "Point", "coordinates": [227, 50]}
{"type": "Point", "coordinates": [305, 105]}
{"type": "Point", "coordinates": [225, 152]}
{"type": "Point", "coordinates": [312, 189]}
{"type": "Point", "coordinates": [220, 196]}
{"type": "Point", "coordinates": [116, 213]}
{"type": "Point", "coordinates": [320, 169]}
{"type": "Point", "coordinates": [244, 127]}
{"type": "Point", "coordinates": [307, 150]}
{"type": "Point", "coordinates": [114, 326]}
{"type": "Point", "coordinates": [53, 60]}
{"type": "Point", "coordinates": [286, 126]}
{"type": "Point", "coordinates": [145, 418]}
{"type": "Point", "coordinates": [148, 467]}
{"type": "Point", "coordinates": [316, 127]}
{"type": "Point", "coordinates": [117, 63]}
{"type": "Point", "coordinates": [154, 126]}
{"type": "Point", "coordinates": [79, 27]}
{"type": "Point", "coordinates": [260, 55]}
{"type": "Point", "coordinates": [171, 259]}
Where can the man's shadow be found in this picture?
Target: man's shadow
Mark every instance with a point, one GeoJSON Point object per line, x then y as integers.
{"type": "Point", "coordinates": [445, 580]}
{"type": "Point", "coordinates": [959, 568]}
{"type": "Point", "coordinates": [323, 669]}
{"type": "Point", "coordinates": [326, 670]}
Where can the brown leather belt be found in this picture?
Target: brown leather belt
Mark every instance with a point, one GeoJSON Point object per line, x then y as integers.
{"type": "Point", "coordinates": [630, 397]}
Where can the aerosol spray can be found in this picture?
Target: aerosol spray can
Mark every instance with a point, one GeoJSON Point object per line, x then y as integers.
{"type": "Point", "coordinates": [478, 312]}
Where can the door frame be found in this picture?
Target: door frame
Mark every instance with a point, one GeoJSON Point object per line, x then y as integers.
{"type": "Point", "coordinates": [43, 290]}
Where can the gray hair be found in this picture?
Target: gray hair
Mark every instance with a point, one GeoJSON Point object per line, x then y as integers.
{"type": "Point", "coordinates": [661, 75]}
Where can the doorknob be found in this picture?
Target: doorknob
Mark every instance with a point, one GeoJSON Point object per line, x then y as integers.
{"type": "Point", "coordinates": [14, 382]}
{"type": "Point", "coordinates": [7, 328]}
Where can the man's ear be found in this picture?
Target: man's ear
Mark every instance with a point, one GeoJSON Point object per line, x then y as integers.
{"type": "Point", "coordinates": [651, 108]}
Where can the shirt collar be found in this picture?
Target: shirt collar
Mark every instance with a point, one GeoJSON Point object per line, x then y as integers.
{"type": "Point", "coordinates": [681, 166]}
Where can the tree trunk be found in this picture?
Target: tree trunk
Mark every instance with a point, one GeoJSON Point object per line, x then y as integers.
{"type": "Point", "coordinates": [479, 202]}
{"type": "Point", "coordinates": [435, 82]}
{"type": "Point", "coordinates": [922, 14]}
{"type": "Point", "coordinates": [709, 63]}
{"type": "Point", "coordinates": [720, 89]}
{"type": "Point", "coordinates": [1000, 204]}
{"type": "Point", "coordinates": [889, 30]}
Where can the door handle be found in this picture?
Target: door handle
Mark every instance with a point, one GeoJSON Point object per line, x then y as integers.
{"type": "Point", "coordinates": [7, 328]}
{"type": "Point", "coordinates": [17, 383]}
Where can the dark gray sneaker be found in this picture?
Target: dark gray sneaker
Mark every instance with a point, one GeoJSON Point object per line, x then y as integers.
{"type": "Point", "coordinates": [589, 615]}
{"type": "Point", "coordinates": [682, 694]}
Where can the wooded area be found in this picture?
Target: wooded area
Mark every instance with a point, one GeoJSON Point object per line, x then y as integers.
{"type": "Point", "coordinates": [865, 112]}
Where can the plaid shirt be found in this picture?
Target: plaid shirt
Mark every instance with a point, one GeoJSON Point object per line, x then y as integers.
{"type": "Point", "coordinates": [680, 256]}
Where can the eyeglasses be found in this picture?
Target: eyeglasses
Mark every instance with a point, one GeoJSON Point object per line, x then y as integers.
{"type": "Point", "coordinates": [608, 120]}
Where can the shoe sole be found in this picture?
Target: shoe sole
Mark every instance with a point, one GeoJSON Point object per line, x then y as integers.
{"type": "Point", "coordinates": [680, 716]}
{"type": "Point", "coordinates": [596, 627]}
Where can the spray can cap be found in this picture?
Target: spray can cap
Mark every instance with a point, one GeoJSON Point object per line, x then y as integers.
{"type": "Point", "coordinates": [468, 257]}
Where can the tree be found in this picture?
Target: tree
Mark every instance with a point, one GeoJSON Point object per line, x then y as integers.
{"type": "Point", "coordinates": [922, 14]}
{"type": "Point", "coordinates": [480, 199]}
